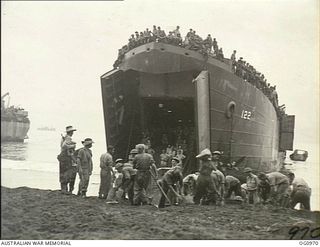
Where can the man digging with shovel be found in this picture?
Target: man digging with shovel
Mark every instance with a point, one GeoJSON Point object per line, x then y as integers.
{"type": "Point", "coordinates": [168, 182]}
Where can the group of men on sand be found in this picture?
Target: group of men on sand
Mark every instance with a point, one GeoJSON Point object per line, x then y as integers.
{"type": "Point", "coordinates": [211, 185]}
{"type": "Point", "coordinates": [72, 161]}
{"type": "Point", "coordinates": [278, 188]}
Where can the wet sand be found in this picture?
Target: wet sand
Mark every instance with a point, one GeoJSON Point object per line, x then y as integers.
{"type": "Point", "coordinates": [47, 214]}
{"type": "Point", "coordinates": [13, 178]}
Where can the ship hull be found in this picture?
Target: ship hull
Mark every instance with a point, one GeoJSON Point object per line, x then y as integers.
{"type": "Point", "coordinates": [253, 130]}
{"type": "Point", "coordinates": [14, 131]}
{"type": "Point", "coordinates": [250, 137]}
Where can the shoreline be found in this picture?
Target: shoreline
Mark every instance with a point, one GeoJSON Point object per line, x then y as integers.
{"type": "Point", "coordinates": [14, 178]}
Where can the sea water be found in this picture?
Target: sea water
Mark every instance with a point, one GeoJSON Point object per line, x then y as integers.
{"type": "Point", "coordinates": [36, 162]}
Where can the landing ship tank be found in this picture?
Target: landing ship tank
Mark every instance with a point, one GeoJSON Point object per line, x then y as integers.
{"type": "Point", "coordinates": [159, 87]}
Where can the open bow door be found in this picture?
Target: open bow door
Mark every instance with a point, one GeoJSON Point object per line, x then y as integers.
{"type": "Point", "coordinates": [120, 100]}
{"type": "Point", "coordinates": [202, 110]}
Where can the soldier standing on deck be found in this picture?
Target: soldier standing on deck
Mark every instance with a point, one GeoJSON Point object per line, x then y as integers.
{"type": "Point", "coordinates": [176, 32]}
{"type": "Point", "coordinates": [106, 172]}
{"type": "Point", "coordinates": [215, 46]}
{"type": "Point", "coordinates": [208, 43]}
{"type": "Point", "coordinates": [205, 188]}
{"type": "Point", "coordinates": [233, 61]}
{"type": "Point", "coordinates": [144, 163]}
{"type": "Point", "coordinates": [155, 33]}
{"type": "Point", "coordinates": [84, 161]}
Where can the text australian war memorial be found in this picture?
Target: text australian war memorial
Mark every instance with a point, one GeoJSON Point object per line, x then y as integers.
{"type": "Point", "coordinates": [166, 91]}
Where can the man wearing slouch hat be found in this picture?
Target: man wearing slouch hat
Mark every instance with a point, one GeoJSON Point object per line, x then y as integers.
{"type": "Point", "coordinates": [66, 141]}
{"type": "Point", "coordinates": [206, 191]}
{"type": "Point", "coordinates": [67, 170]}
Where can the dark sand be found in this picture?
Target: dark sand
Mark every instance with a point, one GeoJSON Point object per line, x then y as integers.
{"type": "Point", "coordinates": [47, 214]}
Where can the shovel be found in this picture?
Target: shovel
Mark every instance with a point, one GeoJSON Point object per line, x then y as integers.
{"type": "Point", "coordinates": [160, 188]}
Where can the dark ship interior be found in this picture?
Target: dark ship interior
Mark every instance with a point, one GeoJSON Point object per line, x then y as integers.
{"type": "Point", "coordinates": [156, 107]}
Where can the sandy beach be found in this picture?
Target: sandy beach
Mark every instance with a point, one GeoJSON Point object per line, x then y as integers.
{"type": "Point", "coordinates": [47, 214]}
{"type": "Point", "coordinates": [33, 208]}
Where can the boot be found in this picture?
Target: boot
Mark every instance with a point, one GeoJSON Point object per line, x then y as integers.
{"type": "Point", "coordinates": [84, 194]}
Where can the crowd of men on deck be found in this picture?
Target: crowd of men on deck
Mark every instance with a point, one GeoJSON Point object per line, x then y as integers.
{"type": "Point", "coordinates": [209, 48]}
{"type": "Point", "coordinates": [130, 180]}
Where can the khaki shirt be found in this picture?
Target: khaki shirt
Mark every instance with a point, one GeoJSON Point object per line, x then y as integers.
{"type": "Point", "coordinates": [276, 178]}
{"type": "Point", "coordinates": [231, 181]}
{"type": "Point", "coordinates": [206, 167]}
{"type": "Point", "coordinates": [143, 161]}
{"type": "Point", "coordinates": [299, 183]}
{"type": "Point", "coordinates": [66, 142]}
{"type": "Point", "coordinates": [252, 182]}
{"type": "Point", "coordinates": [173, 176]}
{"type": "Point", "coordinates": [106, 161]}
{"type": "Point", "coordinates": [218, 179]}
{"type": "Point", "coordinates": [128, 171]}
{"type": "Point", "coordinates": [84, 158]}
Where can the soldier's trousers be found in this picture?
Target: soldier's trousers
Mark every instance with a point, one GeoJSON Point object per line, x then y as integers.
{"type": "Point", "coordinates": [105, 184]}
{"type": "Point", "coordinates": [62, 177]}
{"type": "Point", "coordinates": [140, 187]}
{"type": "Point", "coordinates": [115, 194]}
{"type": "Point", "coordinates": [72, 179]}
{"type": "Point", "coordinates": [165, 188]}
{"type": "Point", "coordinates": [281, 194]}
{"type": "Point", "coordinates": [127, 186]}
{"type": "Point", "coordinates": [301, 195]}
{"type": "Point", "coordinates": [205, 189]}
{"type": "Point", "coordinates": [67, 178]}
{"type": "Point", "coordinates": [70, 175]}
{"type": "Point", "coordinates": [84, 181]}
{"type": "Point", "coordinates": [264, 193]}
{"type": "Point", "coordinates": [253, 197]}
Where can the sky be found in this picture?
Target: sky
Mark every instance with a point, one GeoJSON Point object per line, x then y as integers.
{"type": "Point", "coordinates": [53, 53]}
